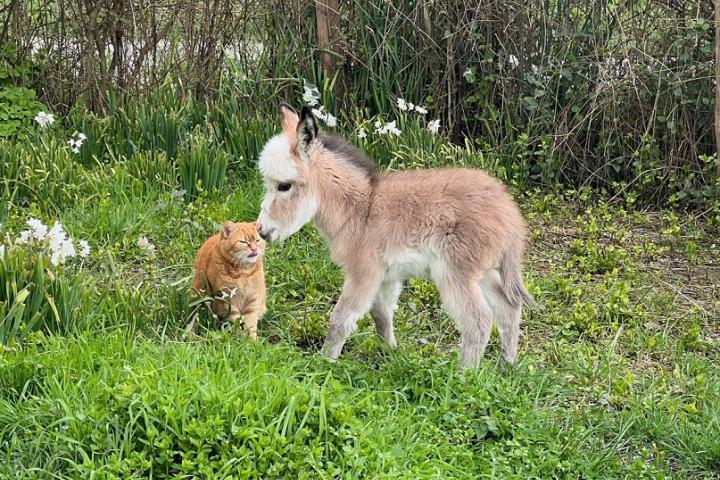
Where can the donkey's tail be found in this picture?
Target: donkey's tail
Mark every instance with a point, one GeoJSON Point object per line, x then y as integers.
{"type": "Point", "coordinates": [512, 282]}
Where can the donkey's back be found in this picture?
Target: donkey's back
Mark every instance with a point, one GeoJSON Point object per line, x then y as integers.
{"type": "Point", "coordinates": [464, 212]}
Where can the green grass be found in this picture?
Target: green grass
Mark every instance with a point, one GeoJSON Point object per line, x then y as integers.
{"type": "Point", "coordinates": [618, 374]}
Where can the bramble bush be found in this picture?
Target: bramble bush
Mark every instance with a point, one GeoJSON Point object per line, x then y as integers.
{"type": "Point", "coordinates": [18, 104]}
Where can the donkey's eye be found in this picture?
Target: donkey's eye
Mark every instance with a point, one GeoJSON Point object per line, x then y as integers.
{"type": "Point", "coordinates": [284, 187]}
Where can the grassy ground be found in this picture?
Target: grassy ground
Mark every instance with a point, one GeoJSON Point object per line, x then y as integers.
{"type": "Point", "coordinates": [617, 378]}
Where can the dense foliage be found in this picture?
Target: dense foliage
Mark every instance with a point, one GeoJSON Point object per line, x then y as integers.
{"type": "Point", "coordinates": [618, 374]}
{"type": "Point", "coordinates": [147, 141]}
{"type": "Point", "coordinates": [613, 95]}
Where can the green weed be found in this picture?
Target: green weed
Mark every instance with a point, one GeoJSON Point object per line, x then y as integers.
{"type": "Point", "coordinates": [617, 376]}
{"type": "Point", "coordinates": [37, 297]}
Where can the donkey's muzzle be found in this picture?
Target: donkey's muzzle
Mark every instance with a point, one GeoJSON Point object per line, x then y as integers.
{"type": "Point", "coordinates": [265, 234]}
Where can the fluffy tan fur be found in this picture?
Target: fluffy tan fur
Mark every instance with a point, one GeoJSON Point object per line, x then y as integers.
{"type": "Point", "coordinates": [229, 267]}
{"type": "Point", "coordinates": [458, 226]}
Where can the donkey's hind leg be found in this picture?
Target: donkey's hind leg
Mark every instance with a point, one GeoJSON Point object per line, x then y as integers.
{"type": "Point", "coordinates": [507, 316]}
{"type": "Point", "coordinates": [384, 308]}
{"type": "Point", "coordinates": [464, 300]}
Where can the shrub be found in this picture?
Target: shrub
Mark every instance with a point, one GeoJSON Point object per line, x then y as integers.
{"type": "Point", "coordinates": [43, 172]}
{"type": "Point", "coordinates": [18, 105]}
{"type": "Point", "coordinates": [153, 170]}
{"type": "Point", "coordinates": [202, 166]}
{"type": "Point", "coordinates": [35, 296]}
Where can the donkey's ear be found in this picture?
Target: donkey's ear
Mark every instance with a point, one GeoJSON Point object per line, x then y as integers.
{"type": "Point", "coordinates": [288, 118]}
{"type": "Point", "coordinates": [307, 129]}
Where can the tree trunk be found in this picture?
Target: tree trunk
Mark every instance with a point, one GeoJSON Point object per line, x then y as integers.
{"type": "Point", "coordinates": [717, 82]}
{"type": "Point", "coordinates": [94, 94]}
{"type": "Point", "coordinates": [328, 32]}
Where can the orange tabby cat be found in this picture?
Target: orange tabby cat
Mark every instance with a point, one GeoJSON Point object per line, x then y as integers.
{"type": "Point", "coordinates": [229, 266]}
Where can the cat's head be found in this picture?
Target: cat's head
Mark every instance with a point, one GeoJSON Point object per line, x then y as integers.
{"type": "Point", "coordinates": [241, 243]}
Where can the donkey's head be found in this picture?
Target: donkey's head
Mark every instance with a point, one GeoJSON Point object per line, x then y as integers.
{"type": "Point", "coordinates": [290, 200]}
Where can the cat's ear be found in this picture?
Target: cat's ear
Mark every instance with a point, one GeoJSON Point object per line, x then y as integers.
{"type": "Point", "coordinates": [227, 229]}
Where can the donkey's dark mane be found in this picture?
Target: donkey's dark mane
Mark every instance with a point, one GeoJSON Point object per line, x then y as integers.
{"type": "Point", "coordinates": [348, 152]}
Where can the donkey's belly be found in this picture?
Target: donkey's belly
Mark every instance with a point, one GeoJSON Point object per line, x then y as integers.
{"type": "Point", "coordinates": [409, 264]}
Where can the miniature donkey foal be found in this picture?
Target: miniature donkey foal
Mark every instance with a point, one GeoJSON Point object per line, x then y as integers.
{"type": "Point", "coordinates": [455, 225]}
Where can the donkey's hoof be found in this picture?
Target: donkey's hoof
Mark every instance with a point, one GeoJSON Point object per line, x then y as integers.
{"type": "Point", "coordinates": [328, 358]}
{"type": "Point", "coordinates": [331, 353]}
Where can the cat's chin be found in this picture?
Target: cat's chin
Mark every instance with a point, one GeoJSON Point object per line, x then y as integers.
{"type": "Point", "coordinates": [250, 260]}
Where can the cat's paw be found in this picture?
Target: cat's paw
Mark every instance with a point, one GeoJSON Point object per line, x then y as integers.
{"type": "Point", "coordinates": [192, 327]}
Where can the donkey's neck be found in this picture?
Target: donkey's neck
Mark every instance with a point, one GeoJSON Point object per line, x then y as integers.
{"type": "Point", "coordinates": [344, 196]}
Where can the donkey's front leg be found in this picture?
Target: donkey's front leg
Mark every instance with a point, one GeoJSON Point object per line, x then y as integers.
{"type": "Point", "coordinates": [355, 301]}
